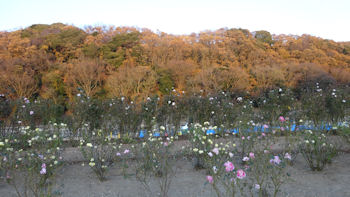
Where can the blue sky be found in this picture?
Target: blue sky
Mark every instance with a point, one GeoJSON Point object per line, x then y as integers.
{"type": "Point", "coordinates": [323, 18]}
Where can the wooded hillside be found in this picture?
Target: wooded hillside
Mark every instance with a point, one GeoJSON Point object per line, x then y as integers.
{"type": "Point", "coordinates": [59, 61]}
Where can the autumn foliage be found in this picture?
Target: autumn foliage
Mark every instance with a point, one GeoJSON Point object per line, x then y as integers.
{"type": "Point", "coordinates": [58, 61]}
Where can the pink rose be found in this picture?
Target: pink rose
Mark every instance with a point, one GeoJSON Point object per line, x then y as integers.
{"type": "Point", "coordinates": [241, 174]}
{"type": "Point", "coordinates": [210, 179]}
{"type": "Point", "coordinates": [275, 160]}
{"type": "Point", "coordinates": [281, 118]}
{"type": "Point", "coordinates": [288, 156]}
{"type": "Point", "coordinates": [266, 126]}
{"type": "Point", "coordinates": [251, 155]}
{"type": "Point", "coordinates": [229, 166]}
{"type": "Point", "coordinates": [216, 151]}
{"type": "Point", "coordinates": [43, 171]}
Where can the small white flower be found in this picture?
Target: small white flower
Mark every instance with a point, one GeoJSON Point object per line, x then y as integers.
{"type": "Point", "coordinates": [245, 159]}
{"type": "Point", "coordinates": [257, 186]}
{"type": "Point", "coordinates": [215, 169]}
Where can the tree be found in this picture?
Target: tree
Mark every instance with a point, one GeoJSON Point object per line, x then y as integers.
{"type": "Point", "coordinates": [268, 77]}
{"type": "Point", "coordinates": [85, 74]}
{"type": "Point", "coordinates": [16, 81]}
{"type": "Point", "coordinates": [131, 81]}
{"type": "Point", "coordinates": [264, 36]}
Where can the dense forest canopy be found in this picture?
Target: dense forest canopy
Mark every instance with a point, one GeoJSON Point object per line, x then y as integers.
{"type": "Point", "coordinates": [58, 61]}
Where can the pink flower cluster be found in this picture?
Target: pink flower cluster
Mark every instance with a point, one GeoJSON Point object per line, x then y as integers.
{"type": "Point", "coordinates": [43, 169]}
{"type": "Point", "coordinates": [241, 174]}
{"type": "Point", "coordinates": [288, 156]}
{"type": "Point", "coordinates": [276, 160]}
{"type": "Point", "coordinates": [126, 151]}
{"type": "Point", "coordinates": [229, 167]}
{"type": "Point", "coordinates": [210, 179]}
{"type": "Point", "coordinates": [216, 151]}
{"type": "Point", "coordinates": [251, 155]}
{"type": "Point", "coordinates": [282, 119]}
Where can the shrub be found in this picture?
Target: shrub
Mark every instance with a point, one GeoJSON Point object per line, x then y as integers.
{"type": "Point", "coordinates": [316, 149]}
{"type": "Point", "coordinates": [31, 159]}
{"type": "Point", "coordinates": [156, 160]}
{"type": "Point", "coordinates": [100, 150]}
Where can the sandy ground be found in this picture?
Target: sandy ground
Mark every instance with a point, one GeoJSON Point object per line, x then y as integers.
{"type": "Point", "coordinates": [75, 180]}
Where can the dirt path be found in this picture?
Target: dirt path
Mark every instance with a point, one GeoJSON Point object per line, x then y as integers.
{"type": "Point", "coordinates": [76, 180]}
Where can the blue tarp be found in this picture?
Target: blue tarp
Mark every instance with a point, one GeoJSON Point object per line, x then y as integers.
{"type": "Point", "coordinates": [294, 127]}
{"type": "Point", "coordinates": [142, 134]}
{"type": "Point", "coordinates": [156, 134]}
{"type": "Point", "coordinates": [210, 131]}
{"type": "Point", "coordinates": [234, 130]}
